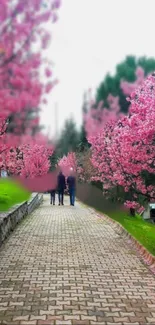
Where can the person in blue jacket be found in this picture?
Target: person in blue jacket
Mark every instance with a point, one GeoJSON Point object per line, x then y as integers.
{"type": "Point", "coordinates": [71, 182]}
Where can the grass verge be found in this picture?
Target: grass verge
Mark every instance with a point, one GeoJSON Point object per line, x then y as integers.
{"type": "Point", "coordinates": [143, 231]}
{"type": "Point", "coordinates": [11, 193]}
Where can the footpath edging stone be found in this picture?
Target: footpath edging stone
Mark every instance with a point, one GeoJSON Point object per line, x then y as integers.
{"type": "Point", "coordinates": [147, 258]}
{"type": "Point", "coordinates": [9, 219]}
{"type": "Point", "coordinates": [34, 202]}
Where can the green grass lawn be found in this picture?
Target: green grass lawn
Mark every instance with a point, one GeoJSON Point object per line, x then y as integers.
{"type": "Point", "coordinates": [143, 231]}
{"type": "Point", "coordinates": [11, 193]}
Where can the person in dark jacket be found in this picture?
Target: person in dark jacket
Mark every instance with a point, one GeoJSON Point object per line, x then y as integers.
{"type": "Point", "coordinates": [53, 190]}
{"type": "Point", "coordinates": [61, 187]}
{"type": "Point", "coordinates": [71, 181]}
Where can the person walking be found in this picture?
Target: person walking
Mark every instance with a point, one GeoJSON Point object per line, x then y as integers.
{"type": "Point", "coordinates": [61, 187]}
{"type": "Point", "coordinates": [71, 181]}
{"type": "Point", "coordinates": [52, 195]}
{"type": "Point", "coordinates": [53, 189]}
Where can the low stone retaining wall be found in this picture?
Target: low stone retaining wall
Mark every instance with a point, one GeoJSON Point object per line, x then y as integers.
{"type": "Point", "coordinates": [34, 202]}
{"type": "Point", "coordinates": [9, 219]}
{"type": "Point", "coordinates": [147, 258]}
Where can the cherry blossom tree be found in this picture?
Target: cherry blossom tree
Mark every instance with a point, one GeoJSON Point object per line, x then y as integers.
{"type": "Point", "coordinates": [23, 38]}
{"type": "Point", "coordinates": [30, 159]}
{"type": "Point", "coordinates": [97, 115]}
{"type": "Point", "coordinates": [126, 70]}
{"type": "Point", "coordinates": [21, 31]}
{"type": "Point", "coordinates": [80, 163]}
{"type": "Point", "coordinates": [100, 126]}
{"type": "Point", "coordinates": [85, 169]}
{"type": "Point", "coordinates": [67, 162]}
{"type": "Point", "coordinates": [123, 152]}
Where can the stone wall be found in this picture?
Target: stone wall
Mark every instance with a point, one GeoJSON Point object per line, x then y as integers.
{"type": "Point", "coordinates": [9, 219]}
{"type": "Point", "coordinates": [35, 201]}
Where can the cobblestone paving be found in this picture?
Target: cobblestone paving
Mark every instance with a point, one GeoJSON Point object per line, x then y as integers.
{"type": "Point", "coordinates": [63, 265]}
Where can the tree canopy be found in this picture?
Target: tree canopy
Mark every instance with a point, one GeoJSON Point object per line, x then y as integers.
{"type": "Point", "coordinates": [125, 70]}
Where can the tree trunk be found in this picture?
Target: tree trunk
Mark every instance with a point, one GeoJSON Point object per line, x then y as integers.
{"type": "Point", "coordinates": [132, 212]}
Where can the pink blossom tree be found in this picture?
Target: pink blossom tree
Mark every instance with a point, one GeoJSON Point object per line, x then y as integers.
{"type": "Point", "coordinates": [123, 152]}
{"type": "Point", "coordinates": [80, 163]}
{"type": "Point", "coordinates": [21, 31]}
{"type": "Point", "coordinates": [23, 38]}
{"type": "Point", "coordinates": [85, 169]}
{"type": "Point", "coordinates": [97, 116]}
{"type": "Point", "coordinates": [68, 162]}
{"type": "Point", "coordinates": [131, 70]}
{"type": "Point", "coordinates": [30, 159]}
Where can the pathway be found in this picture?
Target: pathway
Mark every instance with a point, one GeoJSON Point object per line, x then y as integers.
{"type": "Point", "coordinates": [63, 265]}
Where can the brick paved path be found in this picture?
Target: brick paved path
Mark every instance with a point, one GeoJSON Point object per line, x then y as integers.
{"type": "Point", "coordinates": [63, 265]}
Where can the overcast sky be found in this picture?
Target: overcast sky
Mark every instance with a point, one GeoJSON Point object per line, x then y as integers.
{"type": "Point", "coordinates": [89, 39]}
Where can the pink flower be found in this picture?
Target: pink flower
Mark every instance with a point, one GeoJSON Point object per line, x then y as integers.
{"type": "Point", "coordinates": [48, 72]}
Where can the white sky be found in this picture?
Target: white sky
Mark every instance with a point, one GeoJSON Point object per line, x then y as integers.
{"type": "Point", "coordinates": [89, 39]}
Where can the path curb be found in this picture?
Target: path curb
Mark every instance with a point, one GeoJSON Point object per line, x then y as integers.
{"type": "Point", "coordinates": [11, 218]}
{"type": "Point", "coordinates": [147, 258]}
